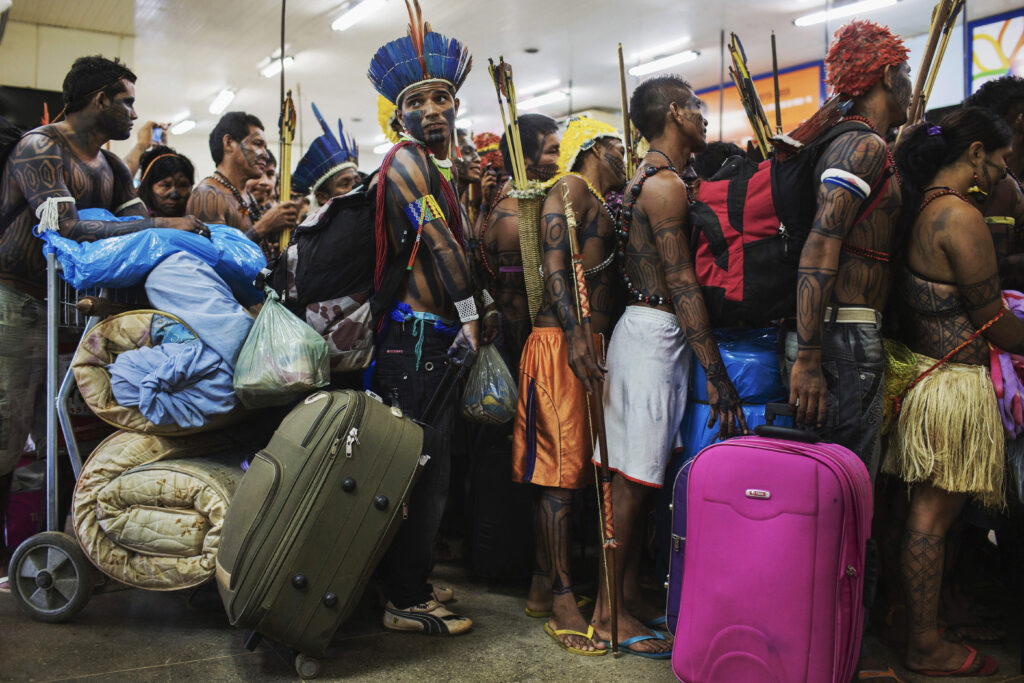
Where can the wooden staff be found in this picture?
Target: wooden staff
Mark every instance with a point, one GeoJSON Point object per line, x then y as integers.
{"type": "Point", "coordinates": [596, 410]}
{"type": "Point", "coordinates": [775, 79]}
{"type": "Point", "coordinates": [287, 126]}
{"type": "Point", "coordinates": [947, 31]}
{"type": "Point", "coordinates": [504, 86]}
{"type": "Point", "coordinates": [627, 132]}
{"type": "Point", "coordinates": [939, 14]}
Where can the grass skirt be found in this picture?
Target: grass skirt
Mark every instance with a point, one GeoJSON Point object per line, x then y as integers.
{"type": "Point", "coordinates": [949, 433]}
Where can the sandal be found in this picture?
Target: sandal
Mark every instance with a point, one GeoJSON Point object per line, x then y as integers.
{"type": "Point", "coordinates": [624, 646]}
{"type": "Point", "coordinates": [589, 635]}
{"type": "Point", "coordinates": [989, 666]}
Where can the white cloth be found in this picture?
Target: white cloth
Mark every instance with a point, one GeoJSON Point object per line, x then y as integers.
{"type": "Point", "coordinates": [645, 393]}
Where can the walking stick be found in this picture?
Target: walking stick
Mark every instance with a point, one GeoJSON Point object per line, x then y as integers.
{"type": "Point", "coordinates": [939, 15]}
{"type": "Point", "coordinates": [627, 129]}
{"type": "Point", "coordinates": [596, 410]}
{"type": "Point", "coordinates": [775, 81]}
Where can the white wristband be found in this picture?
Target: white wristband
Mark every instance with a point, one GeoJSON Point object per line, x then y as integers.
{"type": "Point", "coordinates": [130, 202]}
{"type": "Point", "coordinates": [486, 298]}
{"type": "Point", "coordinates": [467, 310]}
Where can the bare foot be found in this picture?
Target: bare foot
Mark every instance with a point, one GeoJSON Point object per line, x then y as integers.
{"type": "Point", "coordinates": [566, 615]}
{"type": "Point", "coordinates": [539, 597]}
{"type": "Point", "coordinates": [938, 654]}
{"type": "Point", "coordinates": [643, 611]}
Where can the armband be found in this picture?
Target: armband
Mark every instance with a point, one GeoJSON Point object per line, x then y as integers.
{"type": "Point", "coordinates": [130, 202]}
{"type": "Point", "coordinates": [846, 180]}
{"type": "Point", "coordinates": [420, 212]}
{"type": "Point", "coordinates": [467, 310]}
{"type": "Point", "coordinates": [486, 298]}
{"type": "Point", "coordinates": [48, 213]}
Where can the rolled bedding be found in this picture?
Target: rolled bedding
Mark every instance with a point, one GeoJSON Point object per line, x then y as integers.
{"type": "Point", "coordinates": [148, 509]}
{"type": "Point", "coordinates": [181, 389]}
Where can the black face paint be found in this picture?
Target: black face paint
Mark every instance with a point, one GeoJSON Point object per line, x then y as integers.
{"type": "Point", "coordinates": [441, 135]}
{"type": "Point", "coordinates": [618, 167]}
{"type": "Point", "coordinates": [251, 157]}
{"type": "Point", "coordinates": [413, 122]}
{"type": "Point", "coordinates": [541, 172]}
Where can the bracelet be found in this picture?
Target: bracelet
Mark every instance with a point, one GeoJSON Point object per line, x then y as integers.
{"type": "Point", "coordinates": [488, 314]}
{"type": "Point", "coordinates": [485, 298]}
{"type": "Point", "coordinates": [467, 310]}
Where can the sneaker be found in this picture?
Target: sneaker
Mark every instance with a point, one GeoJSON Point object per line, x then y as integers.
{"type": "Point", "coordinates": [444, 594]}
{"type": "Point", "coordinates": [429, 617]}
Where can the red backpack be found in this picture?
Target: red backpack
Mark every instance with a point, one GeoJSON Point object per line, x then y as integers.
{"type": "Point", "coordinates": [749, 223]}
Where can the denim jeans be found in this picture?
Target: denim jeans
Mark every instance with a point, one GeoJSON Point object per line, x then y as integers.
{"type": "Point", "coordinates": [406, 567]}
{"type": "Point", "coordinates": [853, 362]}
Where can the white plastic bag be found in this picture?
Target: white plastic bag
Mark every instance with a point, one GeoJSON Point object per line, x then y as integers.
{"type": "Point", "coordinates": [490, 396]}
{"type": "Point", "coordinates": [282, 358]}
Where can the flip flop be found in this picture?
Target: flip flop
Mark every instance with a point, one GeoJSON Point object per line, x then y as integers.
{"type": "Point", "coordinates": [545, 613]}
{"type": "Point", "coordinates": [658, 623]}
{"type": "Point", "coordinates": [624, 646]}
{"type": "Point", "coordinates": [989, 666]}
{"type": "Point", "coordinates": [589, 635]}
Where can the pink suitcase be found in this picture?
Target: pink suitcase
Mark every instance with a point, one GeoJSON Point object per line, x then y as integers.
{"type": "Point", "coordinates": [773, 573]}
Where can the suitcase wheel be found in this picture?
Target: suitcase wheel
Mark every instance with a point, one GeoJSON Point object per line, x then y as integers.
{"type": "Point", "coordinates": [306, 667]}
{"type": "Point", "coordinates": [50, 577]}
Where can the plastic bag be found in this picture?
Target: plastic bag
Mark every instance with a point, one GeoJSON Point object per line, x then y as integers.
{"type": "Point", "coordinates": [282, 358]}
{"type": "Point", "coordinates": [126, 260]}
{"type": "Point", "coordinates": [491, 394]}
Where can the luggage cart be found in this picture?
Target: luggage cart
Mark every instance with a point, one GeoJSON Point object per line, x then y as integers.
{"type": "Point", "coordinates": [49, 574]}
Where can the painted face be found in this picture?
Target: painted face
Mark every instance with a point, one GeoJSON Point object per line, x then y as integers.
{"type": "Point", "coordinates": [993, 169]}
{"type": "Point", "coordinates": [116, 119]}
{"type": "Point", "coordinates": [470, 165]}
{"type": "Point", "coordinates": [170, 195]}
{"type": "Point", "coordinates": [902, 91]}
{"type": "Point", "coordinates": [696, 125]}
{"type": "Point", "coordinates": [613, 154]}
{"type": "Point", "coordinates": [428, 113]}
{"type": "Point", "coordinates": [545, 165]}
{"type": "Point", "coordinates": [253, 151]}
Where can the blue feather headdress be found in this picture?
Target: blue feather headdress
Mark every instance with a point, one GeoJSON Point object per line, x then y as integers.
{"type": "Point", "coordinates": [326, 156]}
{"type": "Point", "coordinates": [420, 56]}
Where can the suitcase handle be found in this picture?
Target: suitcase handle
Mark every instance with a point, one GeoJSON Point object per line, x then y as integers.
{"type": "Point", "coordinates": [460, 360]}
{"type": "Point", "coordinates": [772, 431]}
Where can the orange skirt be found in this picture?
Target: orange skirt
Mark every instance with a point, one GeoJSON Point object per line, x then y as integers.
{"type": "Point", "coordinates": [552, 445]}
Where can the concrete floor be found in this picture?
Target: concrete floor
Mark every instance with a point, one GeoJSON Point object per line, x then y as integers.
{"type": "Point", "coordinates": [134, 635]}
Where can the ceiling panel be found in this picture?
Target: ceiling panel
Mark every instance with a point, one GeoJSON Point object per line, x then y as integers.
{"type": "Point", "coordinates": [108, 16]}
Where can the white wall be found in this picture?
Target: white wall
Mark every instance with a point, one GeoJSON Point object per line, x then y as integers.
{"type": "Point", "coordinates": [949, 84]}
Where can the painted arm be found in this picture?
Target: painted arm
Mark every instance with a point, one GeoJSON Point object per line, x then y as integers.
{"type": "Point", "coordinates": [38, 167]}
{"type": "Point", "coordinates": [969, 248]}
{"type": "Point", "coordinates": [665, 211]}
{"type": "Point", "coordinates": [124, 190]}
{"type": "Point", "coordinates": [860, 155]}
{"type": "Point", "coordinates": [558, 280]}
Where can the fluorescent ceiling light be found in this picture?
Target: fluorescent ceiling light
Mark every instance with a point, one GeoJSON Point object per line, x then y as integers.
{"type": "Point", "coordinates": [356, 13]}
{"type": "Point", "coordinates": [182, 127]}
{"type": "Point", "coordinates": [664, 63]}
{"type": "Point", "coordinates": [660, 50]}
{"type": "Point", "coordinates": [463, 123]}
{"type": "Point", "coordinates": [843, 11]}
{"type": "Point", "coordinates": [541, 100]}
{"type": "Point", "coordinates": [381, 149]}
{"type": "Point", "coordinates": [539, 87]}
{"type": "Point", "coordinates": [221, 101]}
{"type": "Point", "coordinates": [274, 68]}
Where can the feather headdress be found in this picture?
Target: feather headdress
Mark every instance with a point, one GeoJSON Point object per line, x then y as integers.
{"type": "Point", "coordinates": [858, 56]}
{"type": "Point", "coordinates": [487, 146]}
{"type": "Point", "coordinates": [580, 135]}
{"type": "Point", "coordinates": [420, 56]}
{"type": "Point", "coordinates": [326, 156]}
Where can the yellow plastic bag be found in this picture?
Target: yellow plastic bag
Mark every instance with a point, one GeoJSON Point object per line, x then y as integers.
{"type": "Point", "coordinates": [490, 396]}
{"type": "Point", "coordinates": [282, 358]}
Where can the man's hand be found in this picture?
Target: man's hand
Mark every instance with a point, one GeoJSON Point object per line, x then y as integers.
{"type": "Point", "coordinates": [283, 216]}
{"type": "Point", "coordinates": [808, 392]}
{"type": "Point", "coordinates": [583, 361]}
{"type": "Point", "coordinates": [490, 325]}
{"type": "Point", "coordinates": [144, 138]}
{"type": "Point", "coordinates": [185, 224]}
{"type": "Point", "coordinates": [488, 187]}
{"type": "Point", "coordinates": [468, 337]}
{"type": "Point", "coordinates": [726, 407]}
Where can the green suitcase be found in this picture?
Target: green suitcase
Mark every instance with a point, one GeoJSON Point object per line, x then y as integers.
{"type": "Point", "coordinates": [313, 516]}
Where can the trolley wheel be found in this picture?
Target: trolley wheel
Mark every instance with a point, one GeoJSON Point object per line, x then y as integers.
{"type": "Point", "coordinates": [50, 577]}
{"type": "Point", "coordinates": [307, 667]}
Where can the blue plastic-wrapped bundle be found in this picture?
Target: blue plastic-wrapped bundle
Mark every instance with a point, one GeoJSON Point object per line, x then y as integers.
{"type": "Point", "coordinates": [752, 361]}
{"type": "Point", "coordinates": [126, 260]}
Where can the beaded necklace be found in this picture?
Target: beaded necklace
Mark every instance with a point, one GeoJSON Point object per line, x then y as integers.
{"type": "Point", "coordinates": [888, 152]}
{"type": "Point", "coordinates": [942, 192]}
{"type": "Point", "coordinates": [607, 212]}
{"type": "Point", "coordinates": [252, 210]}
{"type": "Point", "coordinates": [624, 223]}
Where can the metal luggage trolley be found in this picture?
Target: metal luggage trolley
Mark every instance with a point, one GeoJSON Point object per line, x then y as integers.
{"type": "Point", "coordinates": [49, 574]}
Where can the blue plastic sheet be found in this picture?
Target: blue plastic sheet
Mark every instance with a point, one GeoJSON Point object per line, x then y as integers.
{"type": "Point", "coordinates": [752, 361]}
{"type": "Point", "coordinates": [125, 260]}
